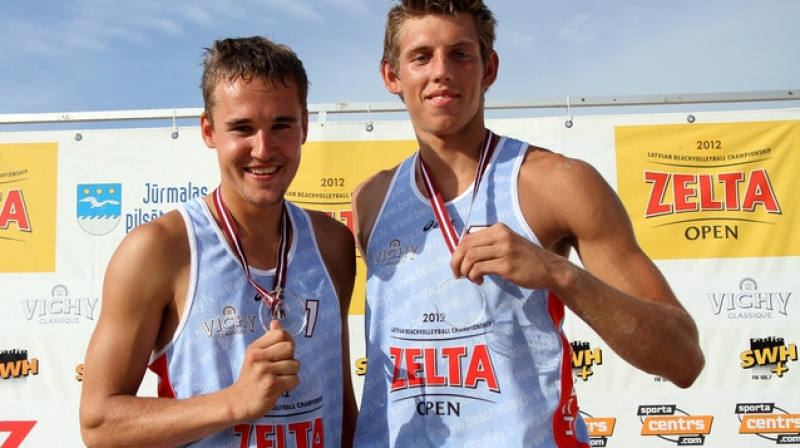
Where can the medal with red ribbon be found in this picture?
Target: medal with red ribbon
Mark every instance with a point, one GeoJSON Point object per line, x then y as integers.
{"type": "Point", "coordinates": [271, 301]}
{"type": "Point", "coordinates": [458, 302]}
{"type": "Point", "coordinates": [451, 237]}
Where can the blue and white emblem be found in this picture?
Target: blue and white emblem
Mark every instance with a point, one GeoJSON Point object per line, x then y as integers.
{"type": "Point", "coordinates": [99, 207]}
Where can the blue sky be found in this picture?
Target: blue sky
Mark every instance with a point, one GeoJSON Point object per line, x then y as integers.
{"type": "Point", "coordinates": [97, 55]}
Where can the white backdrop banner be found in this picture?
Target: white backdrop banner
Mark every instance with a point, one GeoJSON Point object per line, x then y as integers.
{"type": "Point", "coordinates": [714, 202]}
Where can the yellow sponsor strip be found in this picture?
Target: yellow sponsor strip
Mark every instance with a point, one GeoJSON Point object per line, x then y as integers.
{"type": "Point", "coordinates": [711, 190]}
{"type": "Point", "coordinates": [28, 197]}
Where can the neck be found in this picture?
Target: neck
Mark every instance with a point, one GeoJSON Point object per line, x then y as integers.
{"type": "Point", "coordinates": [452, 162]}
{"type": "Point", "coordinates": [258, 228]}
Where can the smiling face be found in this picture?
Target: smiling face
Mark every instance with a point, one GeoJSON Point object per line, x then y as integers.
{"type": "Point", "coordinates": [257, 129]}
{"type": "Point", "coordinates": [440, 73]}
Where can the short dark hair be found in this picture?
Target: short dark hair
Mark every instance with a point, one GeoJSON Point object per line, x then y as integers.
{"type": "Point", "coordinates": [247, 58]}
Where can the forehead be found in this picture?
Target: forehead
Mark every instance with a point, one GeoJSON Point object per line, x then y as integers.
{"type": "Point", "coordinates": [256, 92]}
{"type": "Point", "coordinates": [438, 30]}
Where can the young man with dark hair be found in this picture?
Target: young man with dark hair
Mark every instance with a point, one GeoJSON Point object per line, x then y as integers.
{"type": "Point", "coordinates": [281, 276]}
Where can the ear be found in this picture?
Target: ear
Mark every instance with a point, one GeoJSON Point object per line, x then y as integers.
{"type": "Point", "coordinates": [390, 78]}
{"type": "Point", "coordinates": [207, 130]}
{"type": "Point", "coordinates": [490, 73]}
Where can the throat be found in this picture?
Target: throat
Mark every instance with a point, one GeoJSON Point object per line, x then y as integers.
{"type": "Point", "coordinates": [449, 179]}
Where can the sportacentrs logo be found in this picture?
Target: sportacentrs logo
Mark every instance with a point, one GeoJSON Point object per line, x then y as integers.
{"type": "Point", "coordinates": [670, 423]}
{"type": "Point", "coordinates": [768, 357]}
{"type": "Point", "coordinates": [749, 302]}
{"type": "Point", "coordinates": [395, 254]}
{"type": "Point", "coordinates": [583, 358]}
{"type": "Point", "coordinates": [600, 429]}
{"type": "Point", "coordinates": [764, 420]}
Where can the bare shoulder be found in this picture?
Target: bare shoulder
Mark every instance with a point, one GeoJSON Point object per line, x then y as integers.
{"type": "Point", "coordinates": [565, 197]}
{"type": "Point", "coordinates": [337, 247]}
{"type": "Point", "coordinates": [374, 188]}
{"type": "Point", "coordinates": [557, 170]}
{"type": "Point", "coordinates": [143, 291]}
{"type": "Point", "coordinates": [161, 241]}
{"type": "Point", "coordinates": [367, 200]}
{"type": "Point", "coordinates": [330, 231]}
{"type": "Point", "coordinates": [153, 260]}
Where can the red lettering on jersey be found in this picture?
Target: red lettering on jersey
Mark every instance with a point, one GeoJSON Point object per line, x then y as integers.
{"type": "Point", "coordinates": [416, 367]}
{"type": "Point", "coordinates": [396, 353]}
{"type": "Point", "coordinates": [304, 434]}
{"type": "Point", "coordinates": [413, 367]}
{"type": "Point", "coordinates": [481, 369]}
{"type": "Point", "coordinates": [431, 378]}
{"type": "Point", "coordinates": [454, 355]}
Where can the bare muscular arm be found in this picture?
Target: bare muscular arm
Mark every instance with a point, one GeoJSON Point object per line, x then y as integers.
{"type": "Point", "coordinates": [142, 296]}
{"type": "Point", "coordinates": [621, 294]}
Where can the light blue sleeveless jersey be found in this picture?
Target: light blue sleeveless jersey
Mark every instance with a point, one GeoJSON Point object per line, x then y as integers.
{"type": "Point", "coordinates": [504, 381]}
{"type": "Point", "coordinates": [221, 319]}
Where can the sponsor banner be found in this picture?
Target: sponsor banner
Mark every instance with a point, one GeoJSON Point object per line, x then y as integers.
{"type": "Point", "coordinates": [17, 431]}
{"type": "Point", "coordinates": [28, 187]}
{"type": "Point", "coordinates": [330, 171]}
{"type": "Point", "coordinates": [730, 258]}
{"type": "Point", "coordinates": [769, 421]}
{"type": "Point", "coordinates": [16, 363]}
{"type": "Point", "coordinates": [711, 190]}
{"type": "Point", "coordinates": [745, 300]}
{"type": "Point", "coordinates": [601, 429]}
{"type": "Point", "coordinates": [769, 358]}
{"type": "Point", "coordinates": [672, 424]}
{"type": "Point", "coordinates": [584, 359]}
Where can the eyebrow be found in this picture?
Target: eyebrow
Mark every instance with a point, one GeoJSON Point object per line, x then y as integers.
{"type": "Point", "coordinates": [277, 119]}
{"type": "Point", "coordinates": [285, 119]}
{"type": "Point", "coordinates": [457, 44]}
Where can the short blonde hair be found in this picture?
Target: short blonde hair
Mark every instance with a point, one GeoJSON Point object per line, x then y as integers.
{"type": "Point", "coordinates": [485, 23]}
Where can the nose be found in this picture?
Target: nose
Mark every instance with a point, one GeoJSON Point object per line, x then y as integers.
{"type": "Point", "coordinates": [440, 66]}
{"type": "Point", "coordinates": [261, 145]}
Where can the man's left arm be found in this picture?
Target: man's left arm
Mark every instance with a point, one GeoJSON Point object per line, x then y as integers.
{"type": "Point", "coordinates": [619, 292]}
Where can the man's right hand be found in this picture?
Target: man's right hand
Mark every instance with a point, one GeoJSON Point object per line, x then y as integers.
{"type": "Point", "coordinates": [268, 370]}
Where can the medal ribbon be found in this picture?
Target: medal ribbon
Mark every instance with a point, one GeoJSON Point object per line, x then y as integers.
{"type": "Point", "coordinates": [231, 232]}
{"type": "Point", "coordinates": [451, 237]}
